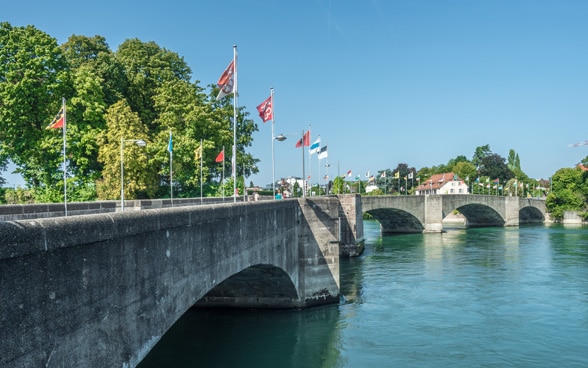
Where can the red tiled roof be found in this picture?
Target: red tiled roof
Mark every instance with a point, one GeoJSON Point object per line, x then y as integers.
{"type": "Point", "coordinates": [436, 181]}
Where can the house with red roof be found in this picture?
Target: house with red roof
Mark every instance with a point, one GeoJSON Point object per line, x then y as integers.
{"type": "Point", "coordinates": [447, 183]}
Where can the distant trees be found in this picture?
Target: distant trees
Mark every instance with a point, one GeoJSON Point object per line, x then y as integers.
{"type": "Point", "coordinates": [570, 192]}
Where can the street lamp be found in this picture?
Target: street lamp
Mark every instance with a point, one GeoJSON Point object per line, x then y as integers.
{"type": "Point", "coordinates": [138, 142]}
{"type": "Point", "coordinates": [281, 138]}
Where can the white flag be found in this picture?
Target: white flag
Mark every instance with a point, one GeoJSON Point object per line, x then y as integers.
{"type": "Point", "coordinates": [323, 153]}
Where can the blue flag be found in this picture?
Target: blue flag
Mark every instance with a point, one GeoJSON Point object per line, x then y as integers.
{"type": "Point", "coordinates": [170, 145]}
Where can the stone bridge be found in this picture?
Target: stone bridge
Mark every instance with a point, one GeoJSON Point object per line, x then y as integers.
{"type": "Point", "coordinates": [100, 290]}
{"type": "Point", "coordinates": [412, 214]}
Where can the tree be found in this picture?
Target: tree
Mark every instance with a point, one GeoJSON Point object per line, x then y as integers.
{"type": "Point", "coordinates": [94, 53]}
{"type": "Point", "coordinates": [338, 185]}
{"type": "Point", "coordinates": [480, 153]}
{"type": "Point", "coordinates": [569, 192]}
{"type": "Point", "coordinates": [494, 167]}
{"type": "Point", "coordinates": [140, 179]}
{"type": "Point", "coordinates": [33, 80]}
{"type": "Point", "coordinates": [147, 66]}
{"type": "Point", "coordinates": [465, 170]}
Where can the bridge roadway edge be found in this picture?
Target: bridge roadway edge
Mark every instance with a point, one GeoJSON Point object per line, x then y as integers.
{"type": "Point", "coordinates": [101, 290]}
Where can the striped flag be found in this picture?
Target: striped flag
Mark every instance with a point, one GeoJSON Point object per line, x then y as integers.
{"type": "Point", "coordinates": [316, 146]}
{"type": "Point", "coordinates": [59, 119]}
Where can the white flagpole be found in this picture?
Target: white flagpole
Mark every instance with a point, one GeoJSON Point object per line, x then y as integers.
{"type": "Point", "coordinates": [64, 156]}
{"type": "Point", "coordinates": [234, 159]}
{"type": "Point", "coordinates": [223, 178]}
{"type": "Point", "coordinates": [171, 178]}
{"type": "Point", "coordinates": [303, 174]}
{"type": "Point", "coordinates": [273, 139]}
{"type": "Point", "coordinates": [309, 159]}
{"type": "Point", "coordinates": [201, 171]}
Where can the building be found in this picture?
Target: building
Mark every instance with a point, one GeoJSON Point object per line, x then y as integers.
{"type": "Point", "coordinates": [447, 183]}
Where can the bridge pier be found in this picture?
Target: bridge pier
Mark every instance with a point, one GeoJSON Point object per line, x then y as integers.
{"type": "Point", "coordinates": [433, 214]}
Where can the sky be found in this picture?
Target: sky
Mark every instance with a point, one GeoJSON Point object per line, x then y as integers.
{"type": "Point", "coordinates": [382, 82]}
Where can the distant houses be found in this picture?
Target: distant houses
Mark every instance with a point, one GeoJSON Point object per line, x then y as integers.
{"type": "Point", "coordinates": [447, 183]}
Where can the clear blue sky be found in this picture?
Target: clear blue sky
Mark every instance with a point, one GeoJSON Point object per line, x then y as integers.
{"type": "Point", "coordinates": [382, 82]}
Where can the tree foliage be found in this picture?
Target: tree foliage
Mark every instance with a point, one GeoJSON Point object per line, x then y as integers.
{"type": "Point", "coordinates": [33, 79]}
{"type": "Point", "coordinates": [570, 192]}
{"type": "Point", "coordinates": [141, 90]}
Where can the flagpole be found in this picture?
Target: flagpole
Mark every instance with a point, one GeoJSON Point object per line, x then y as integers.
{"type": "Point", "coordinates": [234, 161]}
{"type": "Point", "coordinates": [273, 139]}
{"type": "Point", "coordinates": [171, 178]}
{"type": "Point", "coordinates": [223, 178]}
{"type": "Point", "coordinates": [201, 171]}
{"type": "Point", "coordinates": [64, 156]}
{"type": "Point", "coordinates": [303, 174]}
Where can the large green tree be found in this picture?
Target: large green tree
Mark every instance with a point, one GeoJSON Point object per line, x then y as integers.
{"type": "Point", "coordinates": [494, 167]}
{"type": "Point", "coordinates": [147, 66]}
{"type": "Point", "coordinates": [33, 79]}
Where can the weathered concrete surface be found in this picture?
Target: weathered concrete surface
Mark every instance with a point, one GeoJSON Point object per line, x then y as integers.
{"type": "Point", "coordinates": [100, 290]}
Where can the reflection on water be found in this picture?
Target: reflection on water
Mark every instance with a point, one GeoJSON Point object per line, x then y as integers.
{"type": "Point", "coordinates": [490, 297]}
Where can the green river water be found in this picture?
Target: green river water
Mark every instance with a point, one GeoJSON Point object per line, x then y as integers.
{"type": "Point", "coordinates": [490, 297]}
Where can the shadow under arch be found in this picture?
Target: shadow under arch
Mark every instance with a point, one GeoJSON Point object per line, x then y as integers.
{"type": "Point", "coordinates": [258, 286]}
{"type": "Point", "coordinates": [531, 215]}
{"type": "Point", "coordinates": [479, 215]}
{"type": "Point", "coordinates": [395, 221]}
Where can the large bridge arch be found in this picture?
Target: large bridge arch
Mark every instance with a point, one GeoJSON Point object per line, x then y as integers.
{"type": "Point", "coordinates": [258, 286]}
{"type": "Point", "coordinates": [532, 211]}
{"type": "Point", "coordinates": [396, 214]}
{"type": "Point", "coordinates": [396, 221]}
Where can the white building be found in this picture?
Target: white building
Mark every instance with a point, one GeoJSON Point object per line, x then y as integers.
{"type": "Point", "coordinates": [447, 183]}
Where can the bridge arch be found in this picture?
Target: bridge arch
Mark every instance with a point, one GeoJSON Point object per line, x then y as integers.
{"type": "Point", "coordinates": [259, 286]}
{"type": "Point", "coordinates": [479, 215]}
{"type": "Point", "coordinates": [396, 221]}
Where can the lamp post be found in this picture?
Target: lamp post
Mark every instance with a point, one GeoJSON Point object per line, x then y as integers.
{"type": "Point", "coordinates": [245, 185]}
{"type": "Point", "coordinates": [281, 138]}
{"type": "Point", "coordinates": [138, 142]}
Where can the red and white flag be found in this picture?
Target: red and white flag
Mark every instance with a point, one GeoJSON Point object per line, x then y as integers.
{"type": "Point", "coordinates": [226, 82]}
{"type": "Point", "coordinates": [305, 140]}
{"type": "Point", "coordinates": [265, 109]}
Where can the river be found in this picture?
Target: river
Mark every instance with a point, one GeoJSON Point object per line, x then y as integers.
{"type": "Point", "coordinates": [489, 297]}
